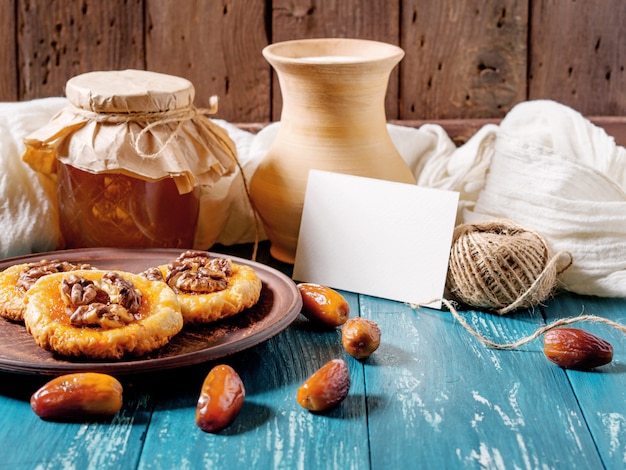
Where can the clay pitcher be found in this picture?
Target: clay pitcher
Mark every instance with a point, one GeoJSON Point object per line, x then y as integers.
{"type": "Point", "coordinates": [333, 119]}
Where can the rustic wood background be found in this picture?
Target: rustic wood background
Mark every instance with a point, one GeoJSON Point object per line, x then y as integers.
{"type": "Point", "coordinates": [464, 58]}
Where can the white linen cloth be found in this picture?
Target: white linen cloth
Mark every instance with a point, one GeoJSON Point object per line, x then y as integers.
{"type": "Point", "coordinates": [28, 209]}
{"type": "Point", "coordinates": [551, 170]}
{"type": "Point", "coordinates": [545, 167]}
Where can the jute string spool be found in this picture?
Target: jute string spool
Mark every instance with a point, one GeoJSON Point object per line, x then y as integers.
{"type": "Point", "coordinates": [501, 267]}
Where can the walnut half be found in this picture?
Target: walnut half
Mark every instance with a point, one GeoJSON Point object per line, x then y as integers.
{"type": "Point", "coordinates": [196, 272]}
{"type": "Point", "coordinates": [111, 303]}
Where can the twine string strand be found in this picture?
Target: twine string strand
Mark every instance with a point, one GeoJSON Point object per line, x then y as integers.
{"type": "Point", "coordinates": [527, 339]}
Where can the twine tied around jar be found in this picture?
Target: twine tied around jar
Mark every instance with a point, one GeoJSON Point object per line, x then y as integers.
{"type": "Point", "coordinates": [153, 119]}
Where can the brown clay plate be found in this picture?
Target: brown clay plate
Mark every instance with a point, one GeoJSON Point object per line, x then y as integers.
{"type": "Point", "coordinates": [278, 306]}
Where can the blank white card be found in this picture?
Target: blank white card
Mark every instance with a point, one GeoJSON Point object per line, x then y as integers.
{"type": "Point", "coordinates": [376, 237]}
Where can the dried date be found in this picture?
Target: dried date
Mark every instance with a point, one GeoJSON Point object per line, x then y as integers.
{"type": "Point", "coordinates": [78, 396]}
{"type": "Point", "coordinates": [323, 306]}
{"type": "Point", "coordinates": [221, 399]}
{"type": "Point", "coordinates": [326, 388]}
{"type": "Point", "coordinates": [572, 348]}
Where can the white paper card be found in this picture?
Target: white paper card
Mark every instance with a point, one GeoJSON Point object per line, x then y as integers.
{"type": "Point", "coordinates": [376, 237]}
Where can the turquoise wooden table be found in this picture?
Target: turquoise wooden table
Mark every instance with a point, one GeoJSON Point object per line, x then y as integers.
{"type": "Point", "coordinates": [431, 396]}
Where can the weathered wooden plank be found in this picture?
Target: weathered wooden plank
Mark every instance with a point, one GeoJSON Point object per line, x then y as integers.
{"type": "Point", "coordinates": [461, 404]}
{"type": "Point", "coordinates": [305, 19]}
{"type": "Point", "coordinates": [581, 61]}
{"type": "Point", "coordinates": [216, 45]}
{"type": "Point", "coordinates": [8, 61]}
{"type": "Point", "coordinates": [63, 38]}
{"type": "Point", "coordinates": [460, 130]}
{"type": "Point", "coordinates": [614, 126]}
{"type": "Point", "coordinates": [272, 430]}
{"type": "Point", "coordinates": [29, 442]}
{"type": "Point", "coordinates": [463, 59]}
{"type": "Point", "coordinates": [601, 393]}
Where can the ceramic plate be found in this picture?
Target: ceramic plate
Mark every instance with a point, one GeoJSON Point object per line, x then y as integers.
{"type": "Point", "coordinates": [278, 306]}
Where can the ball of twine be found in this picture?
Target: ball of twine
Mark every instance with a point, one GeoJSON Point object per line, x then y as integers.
{"type": "Point", "coordinates": [500, 266]}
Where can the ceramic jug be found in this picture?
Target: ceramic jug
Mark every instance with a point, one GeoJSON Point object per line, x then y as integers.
{"type": "Point", "coordinates": [333, 119]}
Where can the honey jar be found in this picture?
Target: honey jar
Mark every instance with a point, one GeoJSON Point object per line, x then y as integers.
{"type": "Point", "coordinates": [131, 155]}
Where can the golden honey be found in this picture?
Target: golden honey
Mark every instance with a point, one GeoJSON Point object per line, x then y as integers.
{"type": "Point", "coordinates": [122, 211]}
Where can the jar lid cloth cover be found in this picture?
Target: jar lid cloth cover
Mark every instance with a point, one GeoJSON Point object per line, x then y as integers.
{"type": "Point", "coordinates": [134, 122]}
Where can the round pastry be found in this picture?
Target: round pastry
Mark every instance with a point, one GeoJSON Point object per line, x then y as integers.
{"type": "Point", "coordinates": [209, 289]}
{"type": "Point", "coordinates": [17, 279]}
{"type": "Point", "coordinates": [101, 314]}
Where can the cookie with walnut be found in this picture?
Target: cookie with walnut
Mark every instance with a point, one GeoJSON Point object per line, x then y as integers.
{"type": "Point", "coordinates": [17, 279]}
{"type": "Point", "coordinates": [207, 287]}
{"type": "Point", "coordinates": [101, 314]}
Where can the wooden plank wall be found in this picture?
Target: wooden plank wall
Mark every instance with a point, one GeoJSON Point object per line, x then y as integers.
{"type": "Point", "coordinates": [464, 58]}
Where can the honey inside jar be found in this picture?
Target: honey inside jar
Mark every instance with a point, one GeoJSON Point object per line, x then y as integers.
{"type": "Point", "coordinates": [122, 211]}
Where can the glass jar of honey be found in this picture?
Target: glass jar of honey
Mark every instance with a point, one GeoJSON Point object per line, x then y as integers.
{"type": "Point", "coordinates": [131, 155]}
